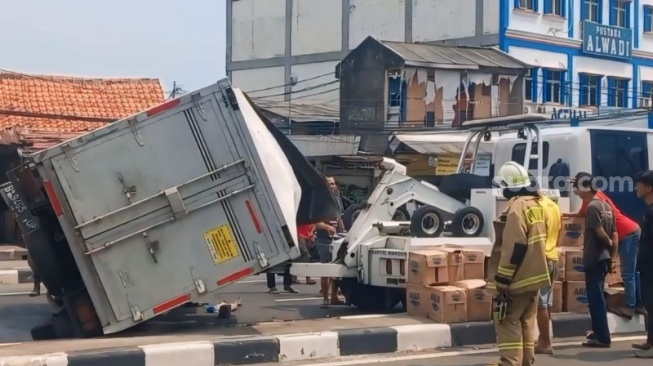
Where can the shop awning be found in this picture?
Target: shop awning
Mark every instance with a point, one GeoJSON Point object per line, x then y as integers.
{"type": "Point", "coordinates": [437, 143]}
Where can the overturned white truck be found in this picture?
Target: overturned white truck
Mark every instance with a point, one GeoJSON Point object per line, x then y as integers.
{"type": "Point", "coordinates": [160, 209]}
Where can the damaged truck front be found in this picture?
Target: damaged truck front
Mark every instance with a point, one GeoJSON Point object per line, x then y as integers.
{"type": "Point", "coordinates": [160, 209]}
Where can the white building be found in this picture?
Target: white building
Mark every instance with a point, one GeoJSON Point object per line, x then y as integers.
{"type": "Point", "coordinates": [583, 52]}
{"type": "Point", "coordinates": [270, 41]}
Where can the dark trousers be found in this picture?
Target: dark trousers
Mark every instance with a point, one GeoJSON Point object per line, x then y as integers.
{"type": "Point", "coordinates": [647, 299]}
{"type": "Point", "coordinates": [287, 279]}
{"type": "Point", "coordinates": [594, 284]}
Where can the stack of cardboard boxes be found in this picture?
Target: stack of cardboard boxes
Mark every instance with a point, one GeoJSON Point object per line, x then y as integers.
{"type": "Point", "coordinates": [571, 295]}
{"type": "Point", "coordinates": [447, 285]}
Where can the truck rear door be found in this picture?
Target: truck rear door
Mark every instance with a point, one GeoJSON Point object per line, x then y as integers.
{"type": "Point", "coordinates": [168, 204]}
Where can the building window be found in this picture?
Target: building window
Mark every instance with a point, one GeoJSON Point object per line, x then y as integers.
{"type": "Point", "coordinates": [590, 90]}
{"type": "Point", "coordinates": [591, 11]}
{"type": "Point", "coordinates": [526, 4]}
{"type": "Point", "coordinates": [647, 93]}
{"type": "Point", "coordinates": [552, 81]}
{"type": "Point", "coordinates": [528, 85]}
{"type": "Point", "coordinates": [555, 7]}
{"type": "Point", "coordinates": [620, 13]}
{"type": "Point", "coordinates": [648, 19]}
{"type": "Point", "coordinates": [617, 92]}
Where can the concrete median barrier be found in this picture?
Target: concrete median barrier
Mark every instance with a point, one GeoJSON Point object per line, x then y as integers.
{"type": "Point", "coordinates": [267, 348]}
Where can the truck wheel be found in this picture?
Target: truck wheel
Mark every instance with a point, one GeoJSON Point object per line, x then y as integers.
{"type": "Point", "coordinates": [401, 214]}
{"type": "Point", "coordinates": [467, 222]}
{"type": "Point", "coordinates": [375, 299]}
{"type": "Point", "coordinates": [350, 215]}
{"type": "Point", "coordinates": [426, 222]}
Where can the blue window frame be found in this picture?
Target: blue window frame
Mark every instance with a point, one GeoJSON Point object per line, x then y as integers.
{"type": "Point", "coordinates": [553, 82]}
{"type": "Point", "coordinates": [590, 90]}
{"type": "Point", "coordinates": [526, 5]}
{"type": "Point", "coordinates": [555, 7]}
{"type": "Point", "coordinates": [591, 10]}
{"type": "Point", "coordinates": [530, 85]}
{"type": "Point", "coordinates": [648, 19]}
{"type": "Point", "coordinates": [647, 91]}
{"type": "Point", "coordinates": [617, 92]}
{"type": "Point", "coordinates": [620, 13]}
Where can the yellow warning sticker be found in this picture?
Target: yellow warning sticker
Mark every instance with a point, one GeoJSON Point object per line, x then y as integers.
{"type": "Point", "coordinates": [222, 244]}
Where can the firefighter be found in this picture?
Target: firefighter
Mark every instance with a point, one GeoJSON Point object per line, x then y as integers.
{"type": "Point", "coordinates": [518, 266]}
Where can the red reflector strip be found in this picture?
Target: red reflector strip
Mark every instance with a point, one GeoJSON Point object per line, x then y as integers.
{"type": "Point", "coordinates": [163, 107]}
{"type": "Point", "coordinates": [54, 200]}
{"type": "Point", "coordinates": [252, 213]}
{"type": "Point", "coordinates": [235, 276]}
{"type": "Point", "coordinates": [170, 304]}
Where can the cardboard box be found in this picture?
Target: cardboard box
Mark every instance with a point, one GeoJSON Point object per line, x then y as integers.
{"type": "Point", "coordinates": [418, 300]}
{"type": "Point", "coordinates": [572, 232]}
{"type": "Point", "coordinates": [575, 297]}
{"type": "Point", "coordinates": [465, 264]}
{"type": "Point", "coordinates": [572, 259]}
{"type": "Point", "coordinates": [427, 267]}
{"type": "Point", "coordinates": [557, 297]}
{"type": "Point", "coordinates": [479, 300]}
{"type": "Point", "coordinates": [448, 304]}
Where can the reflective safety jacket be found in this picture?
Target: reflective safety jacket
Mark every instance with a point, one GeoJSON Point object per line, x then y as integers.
{"type": "Point", "coordinates": [518, 262]}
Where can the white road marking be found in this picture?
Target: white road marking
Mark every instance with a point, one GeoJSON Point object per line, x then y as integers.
{"type": "Point", "coordinates": [368, 316]}
{"type": "Point", "coordinates": [8, 344]}
{"type": "Point", "coordinates": [252, 281]}
{"type": "Point", "coordinates": [298, 299]}
{"type": "Point", "coordinates": [390, 358]}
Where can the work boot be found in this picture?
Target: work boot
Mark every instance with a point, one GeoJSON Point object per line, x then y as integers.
{"type": "Point", "coordinates": [645, 354]}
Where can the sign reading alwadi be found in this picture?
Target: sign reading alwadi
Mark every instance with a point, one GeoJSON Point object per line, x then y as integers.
{"type": "Point", "coordinates": [607, 41]}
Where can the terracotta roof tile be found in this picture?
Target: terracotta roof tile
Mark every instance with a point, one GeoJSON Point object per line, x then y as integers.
{"type": "Point", "coordinates": [68, 104]}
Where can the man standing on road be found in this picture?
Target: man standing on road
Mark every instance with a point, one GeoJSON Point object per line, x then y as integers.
{"type": "Point", "coordinates": [519, 266]}
{"type": "Point", "coordinates": [644, 187]}
{"type": "Point", "coordinates": [552, 217]}
{"type": "Point", "coordinates": [324, 233]}
{"type": "Point", "coordinates": [600, 240]}
{"type": "Point", "coordinates": [628, 233]}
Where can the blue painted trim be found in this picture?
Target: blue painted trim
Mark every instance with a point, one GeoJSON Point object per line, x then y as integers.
{"type": "Point", "coordinates": [570, 18]}
{"type": "Point", "coordinates": [570, 50]}
{"type": "Point", "coordinates": [635, 88]}
{"type": "Point", "coordinates": [650, 120]}
{"type": "Point", "coordinates": [570, 80]}
{"type": "Point", "coordinates": [637, 33]}
{"type": "Point", "coordinates": [504, 18]}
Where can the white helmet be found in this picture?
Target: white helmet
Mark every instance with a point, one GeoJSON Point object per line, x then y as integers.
{"type": "Point", "coordinates": [512, 175]}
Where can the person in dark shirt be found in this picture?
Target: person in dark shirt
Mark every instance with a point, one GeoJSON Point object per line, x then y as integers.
{"type": "Point", "coordinates": [600, 240]}
{"type": "Point", "coordinates": [644, 188]}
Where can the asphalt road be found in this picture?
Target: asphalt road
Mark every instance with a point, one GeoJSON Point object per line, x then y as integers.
{"type": "Point", "coordinates": [571, 354]}
{"type": "Point", "coordinates": [19, 312]}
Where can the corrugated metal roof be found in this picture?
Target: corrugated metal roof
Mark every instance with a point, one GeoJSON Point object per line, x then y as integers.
{"type": "Point", "coordinates": [302, 112]}
{"type": "Point", "coordinates": [460, 57]}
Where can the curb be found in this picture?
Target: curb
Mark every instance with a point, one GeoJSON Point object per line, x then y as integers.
{"type": "Point", "coordinates": [13, 254]}
{"type": "Point", "coordinates": [16, 276]}
{"type": "Point", "coordinates": [312, 346]}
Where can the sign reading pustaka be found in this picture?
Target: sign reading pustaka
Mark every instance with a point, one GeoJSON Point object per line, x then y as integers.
{"type": "Point", "coordinates": [607, 41]}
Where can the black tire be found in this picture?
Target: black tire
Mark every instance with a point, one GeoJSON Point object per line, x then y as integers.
{"type": "Point", "coordinates": [467, 222]}
{"type": "Point", "coordinates": [375, 299]}
{"type": "Point", "coordinates": [423, 213]}
{"type": "Point", "coordinates": [401, 214]}
{"type": "Point", "coordinates": [350, 215]}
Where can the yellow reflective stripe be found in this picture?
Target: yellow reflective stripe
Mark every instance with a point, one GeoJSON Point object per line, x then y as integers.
{"type": "Point", "coordinates": [536, 238]}
{"type": "Point", "coordinates": [529, 344]}
{"type": "Point", "coordinates": [531, 280]}
{"type": "Point", "coordinates": [491, 285]}
{"type": "Point", "coordinates": [506, 272]}
{"type": "Point", "coordinates": [515, 345]}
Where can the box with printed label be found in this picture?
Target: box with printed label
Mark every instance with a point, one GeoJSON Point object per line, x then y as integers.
{"type": "Point", "coordinates": [448, 304]}
{"type": "Point", "coordinates": [557, 297]}
{"type": "Point", "coordinates": [427, 267]}
{"type": "Point", "coordinates": [575, 297]}
{"type": "Point", "coordinates": [465, 264]}
{"type": "Point", "coordinates": [572, 259]}
{"type": "Point", "coordinates": [418, 300]}
{"type": "Point", "coordinates": [479, 300]}
{"type": "Point", "coordinates": [572, 232]}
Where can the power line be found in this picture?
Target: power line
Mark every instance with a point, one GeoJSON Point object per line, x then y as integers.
{"type": "Point", "coordinates": [290, 84]}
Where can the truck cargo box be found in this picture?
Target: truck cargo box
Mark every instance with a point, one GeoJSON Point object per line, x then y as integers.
{"type": "Point", "coordinates": [163, 207]}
